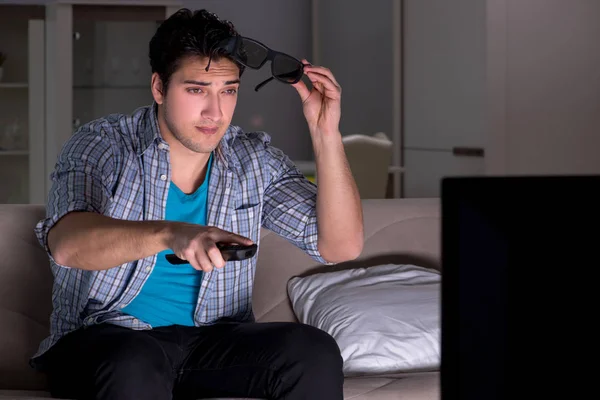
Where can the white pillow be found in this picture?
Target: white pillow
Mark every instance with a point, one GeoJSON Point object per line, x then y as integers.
{"type": "Point", "coordinates": [385, 319]}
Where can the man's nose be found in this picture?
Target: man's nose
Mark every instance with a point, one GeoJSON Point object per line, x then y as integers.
{"type": "Point", "coordinates": [212, 109]}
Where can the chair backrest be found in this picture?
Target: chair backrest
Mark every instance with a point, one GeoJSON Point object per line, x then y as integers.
{"type": "Point", "coordinates": [369, 158]}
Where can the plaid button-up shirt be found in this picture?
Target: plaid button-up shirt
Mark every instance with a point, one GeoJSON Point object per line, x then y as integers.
{"type": "Point", "coordinates": [119, 166]}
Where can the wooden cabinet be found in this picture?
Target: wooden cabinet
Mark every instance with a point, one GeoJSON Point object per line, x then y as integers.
{"type": "Point", "coordinates": [428, 167]}
{"type": "Point", "coordinates": [516, 78]}
{"type": "Point", "coordinates": [444, 96]}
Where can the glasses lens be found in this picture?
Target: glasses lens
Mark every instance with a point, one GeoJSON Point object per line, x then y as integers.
{"type": "Point", "coordinates": [252, 54]}
{"type": "Point", "coordinates": [286, 68]}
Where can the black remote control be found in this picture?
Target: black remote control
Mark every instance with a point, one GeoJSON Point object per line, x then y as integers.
{"type": "Point", "coordinates": [230, 252]}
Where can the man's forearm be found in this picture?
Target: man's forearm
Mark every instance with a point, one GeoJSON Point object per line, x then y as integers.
{"type": "Point", "coordinates": [92, 241]}
{"type": "Point", "coordinates": [339, 208]}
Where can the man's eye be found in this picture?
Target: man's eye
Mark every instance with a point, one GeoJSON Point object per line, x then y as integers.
{"type": "Point", "coordinates": [194, 90]}
{"type": "Point", "coordinates": [231, 91]}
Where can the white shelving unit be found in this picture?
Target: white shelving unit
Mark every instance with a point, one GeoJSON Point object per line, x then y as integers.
{"type": "Point", "coordinates": [69, 61]}
{"type": "Point", "coordinates": [96, 54]}
{"type": "Point", "coordinates": [22, 141]}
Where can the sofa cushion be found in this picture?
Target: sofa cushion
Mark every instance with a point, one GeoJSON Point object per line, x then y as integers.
{"type": "Point", "coordinates": [25, 296]}
{"type": "Point", "coordinates": [385, 319]}
{"type": "Point", "coordinates": [422, 386]}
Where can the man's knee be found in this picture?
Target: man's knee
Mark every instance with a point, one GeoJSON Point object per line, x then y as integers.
{"type": "Point", "coordinates": [121, 366]}
{"type": "Point", "coordinates": [313, 347]}
{"type": "Point", "coordinates": [134, 368]}
{"type": "Point", "coordinates": [313, 365]}
{"type": "Point", "coordinates": [133, 357]}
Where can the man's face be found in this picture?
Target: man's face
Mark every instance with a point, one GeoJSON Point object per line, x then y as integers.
{"type": "Point", "coordinates": [199, 105]}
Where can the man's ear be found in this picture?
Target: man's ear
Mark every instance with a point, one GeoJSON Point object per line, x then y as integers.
{"type": "Point", "coordinates": [157, 88]}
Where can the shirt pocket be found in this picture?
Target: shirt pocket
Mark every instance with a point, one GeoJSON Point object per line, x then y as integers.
{"type": "Point", "coordinates": [246, 220]}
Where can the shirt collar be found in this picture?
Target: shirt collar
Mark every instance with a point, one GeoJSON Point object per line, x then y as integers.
{"type": "Point", "coordinates": [151, 133]}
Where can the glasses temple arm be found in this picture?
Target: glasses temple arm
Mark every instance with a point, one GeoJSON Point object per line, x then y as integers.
{"type": "Point", "coordinates": [263, 83]}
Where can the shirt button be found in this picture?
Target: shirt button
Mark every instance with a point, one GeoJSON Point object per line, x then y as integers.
{"type": "Point", "coordinates": [123, 305]}
{"type": "Point", "coordinates": [148, 269]}
{"type": "Point", "coordinates": [162, 146]}
{"type": "Point", "coordinates": [163, 177]}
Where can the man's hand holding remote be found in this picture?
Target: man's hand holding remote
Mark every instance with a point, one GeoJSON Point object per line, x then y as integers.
{"type": "Point", "coordinates": [199, 244]}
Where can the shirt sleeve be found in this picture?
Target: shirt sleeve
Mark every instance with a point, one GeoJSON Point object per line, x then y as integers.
{"type": "Point", "coordinates": [81, 181]}
{"type": "Point", "coordinates": [290, 204]}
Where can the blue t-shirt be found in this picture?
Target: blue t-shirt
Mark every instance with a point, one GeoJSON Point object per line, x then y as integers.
{"type": "Point", "coordinates": [170, 294]}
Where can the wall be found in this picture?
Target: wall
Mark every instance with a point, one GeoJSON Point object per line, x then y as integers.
{"type": "Point", "coordinates": [354, 41]}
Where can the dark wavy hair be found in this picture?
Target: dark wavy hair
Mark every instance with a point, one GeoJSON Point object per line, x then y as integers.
{"type": "Point", "coordinates": [186, 34]}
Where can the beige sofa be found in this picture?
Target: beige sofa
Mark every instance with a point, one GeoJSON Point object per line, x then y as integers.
{"type": "Point", "coordinates": [396, 231]}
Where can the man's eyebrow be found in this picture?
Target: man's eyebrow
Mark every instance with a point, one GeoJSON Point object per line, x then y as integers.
{"type": "Point", "coordinates": [200, 83]}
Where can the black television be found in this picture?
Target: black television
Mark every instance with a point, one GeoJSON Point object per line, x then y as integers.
{"type": "Point", "coordinates": [519, 293]}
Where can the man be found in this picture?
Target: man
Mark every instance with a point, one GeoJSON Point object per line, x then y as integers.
{"type": "Point", "coordinates": [176, 178]}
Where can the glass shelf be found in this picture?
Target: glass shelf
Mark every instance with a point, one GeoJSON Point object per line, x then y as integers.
{"type": "Point", "coordinates": [13, 85]}
{"type": "Point", "coordinates": [14, 153]}
{"type": "Point", "coordinates": [111, 75]}
{"type": "Point", "coordinates": [118, 87]}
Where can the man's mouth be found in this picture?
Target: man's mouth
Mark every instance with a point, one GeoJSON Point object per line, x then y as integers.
{"type": "Point", "coordinates": [207, 130]}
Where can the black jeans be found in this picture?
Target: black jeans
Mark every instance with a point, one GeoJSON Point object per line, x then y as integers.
{"type": "Point", "coordinates": [277, 360]}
